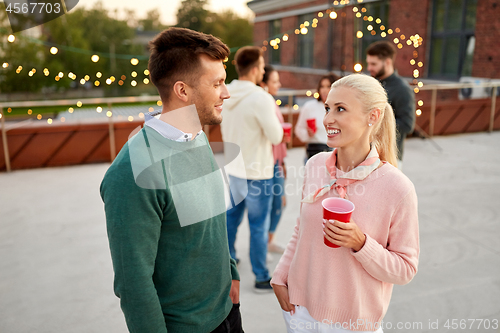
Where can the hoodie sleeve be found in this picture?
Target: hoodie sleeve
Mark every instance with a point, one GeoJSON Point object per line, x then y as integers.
{"type": "Point", "coordinates": [301, 126]}
{"type": "Point", "coordinates": [265, 113]}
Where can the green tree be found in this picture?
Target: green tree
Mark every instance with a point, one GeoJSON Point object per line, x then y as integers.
{"type": "Point", "coordinates": [78, 35]}
{"type": "Point", "coordinates": [233, 30]}
{"type": "Point", "coordinates": [152, 21]}
{"type": "Point", "coordinates": [22, 53]}
{"type": "Point", "coordinates": [193, 15]}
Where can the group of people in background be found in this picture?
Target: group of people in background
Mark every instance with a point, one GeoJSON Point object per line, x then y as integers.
{"type": "Point", "coordinates": [173, 245]}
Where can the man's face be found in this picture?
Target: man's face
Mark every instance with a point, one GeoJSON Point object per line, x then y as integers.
{"type": "Point", "coordinates": [376, 66]}
{"type": "Point", "coordinates": [262, 71]}
{"type": "Point", "coordinates": [210, 91]}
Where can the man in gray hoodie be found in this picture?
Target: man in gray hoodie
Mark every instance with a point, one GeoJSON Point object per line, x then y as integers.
{"type": "Point", "coordinates": [249, 120]}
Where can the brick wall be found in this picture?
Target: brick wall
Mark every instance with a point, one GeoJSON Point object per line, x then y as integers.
{"type": "Point", "coordinates": [289, 48]}
{"type": "Point", "coordinates": [487, 52]}
{"type": "Point", "coordinates": [411, 17]}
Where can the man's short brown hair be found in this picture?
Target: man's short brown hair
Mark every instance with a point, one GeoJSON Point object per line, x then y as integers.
{"type": "Point", "coordinates": [175, 56]}
{"type": "Point", "coordinates": [383, 50]}
{"type": "Point", "coordinates": [247, 58]}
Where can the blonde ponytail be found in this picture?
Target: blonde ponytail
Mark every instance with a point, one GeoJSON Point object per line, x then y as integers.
{"type": "Point", "coordinates": [384, 136]}
{"type": "Point", "coordinates": [373, 96]}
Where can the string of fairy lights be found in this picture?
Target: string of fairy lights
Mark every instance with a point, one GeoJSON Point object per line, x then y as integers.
{"type": "Point", "coordinates": [400, 40]}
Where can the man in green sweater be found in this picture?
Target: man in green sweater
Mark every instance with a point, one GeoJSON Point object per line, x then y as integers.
{"type": "Point", "coordinates": [164, 200]}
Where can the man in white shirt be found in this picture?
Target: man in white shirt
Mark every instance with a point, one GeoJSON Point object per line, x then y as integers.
{"type": "Point", "coordinates": [249, 120]}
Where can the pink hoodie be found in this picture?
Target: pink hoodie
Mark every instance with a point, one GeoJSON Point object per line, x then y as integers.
{"type": "Point", "coordinates": [338, 285]}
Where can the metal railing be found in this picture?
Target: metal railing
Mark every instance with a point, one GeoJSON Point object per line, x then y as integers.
{"type": "Point", "coordinates": [289, 94]}
{"type": "Point", "coordinates": [447, 86]}
{"type": "Point", "coordinates": [65, 102]}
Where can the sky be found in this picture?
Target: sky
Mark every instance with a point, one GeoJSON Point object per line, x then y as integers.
{"type": "Point", "coordinates": [168, 8]}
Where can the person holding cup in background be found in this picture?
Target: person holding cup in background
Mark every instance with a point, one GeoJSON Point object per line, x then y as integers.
{"type": "Point", "coordinates": [332, 287]}
{"type": "Point", "coordinates": [271, 83]}
{"type": "Point", "coordinates": [308, 128]}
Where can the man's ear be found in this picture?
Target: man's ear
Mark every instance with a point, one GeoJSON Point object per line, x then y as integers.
{"type": "Point", "coordinates": [181, 91]}
{"type": "Point", "coordinates": [389, 62]}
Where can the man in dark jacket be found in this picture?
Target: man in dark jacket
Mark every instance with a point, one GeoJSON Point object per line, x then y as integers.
{"type": "Point", "coordinates": [380, 57]}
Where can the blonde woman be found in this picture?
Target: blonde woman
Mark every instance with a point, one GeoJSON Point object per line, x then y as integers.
{"type": "Point", "coordinates": [324, 289]}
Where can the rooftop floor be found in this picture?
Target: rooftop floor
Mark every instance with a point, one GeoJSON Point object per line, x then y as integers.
{"type": "Point", "coordinates": [56, 273]}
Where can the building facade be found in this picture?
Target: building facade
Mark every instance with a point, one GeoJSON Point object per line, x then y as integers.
{"type": "Point", "coordinates": [437, 39]}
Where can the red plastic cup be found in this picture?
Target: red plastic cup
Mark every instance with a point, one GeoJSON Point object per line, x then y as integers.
{"type": "Point", "coordinates": [287, 129]}
{"type": "Point", "coordinates": [311, 123]}
{"type": "Point", "coordinates": [336, 209]}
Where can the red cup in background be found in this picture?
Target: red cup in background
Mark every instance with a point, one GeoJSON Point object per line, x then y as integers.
{"type": "Point", "coordinates": [287, 129]}
{"type": "Point", "coordinates": [311, 123]}
{"type": "Point", "coordinates": [336, 209]}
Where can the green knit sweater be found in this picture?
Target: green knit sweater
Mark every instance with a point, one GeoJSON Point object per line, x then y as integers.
{"type": "Point", "coordinates": [165, 214]}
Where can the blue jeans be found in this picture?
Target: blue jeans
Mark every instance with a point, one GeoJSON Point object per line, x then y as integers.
{"type": "Point", "coordinates": [278, 191]}
{"type": "Point", "coordinates": [258, 203]}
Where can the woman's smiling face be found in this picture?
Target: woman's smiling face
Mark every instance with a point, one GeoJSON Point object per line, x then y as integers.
{"type": "Point", "coordinates": [345, 121]}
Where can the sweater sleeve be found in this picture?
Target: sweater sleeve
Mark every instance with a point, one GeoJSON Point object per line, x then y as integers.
{"type": "Point", "coordinates": [301, 126]}
{"type": "Point", "coordinates": [266, 117]}
{"type": "Point", "coordinates": [280, 275]}
{"type": "Point", "coordinates": [398, 262]}
{"type": "Point", "coordinates": [235, 275]}
{"type": "Point", "coordinates": [133, 218]}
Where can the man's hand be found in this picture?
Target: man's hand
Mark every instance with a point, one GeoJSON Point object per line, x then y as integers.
{"type": "Point", "coordinates": [281, 293]}
{"type": "Point", "coordinates": [234, 294]}
{"type": "Point", "coordinates": [310, 132]}
{"type": "Point", "coordinates": [344, 234]}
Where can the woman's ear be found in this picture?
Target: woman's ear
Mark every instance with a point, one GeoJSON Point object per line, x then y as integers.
{"type": "Point", "coordinates": [180, 91]}
{"type": "Point", "coordinates": [374, 115]}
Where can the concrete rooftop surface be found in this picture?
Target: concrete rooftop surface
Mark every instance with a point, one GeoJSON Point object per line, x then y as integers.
{"type": "Point", "coordinates": [56, 273]}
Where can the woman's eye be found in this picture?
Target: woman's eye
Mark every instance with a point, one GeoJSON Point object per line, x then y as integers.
{"type": "Point", "coordinates": [327, 109]}
{"type": "Point", "coordinates": [340, 109]}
